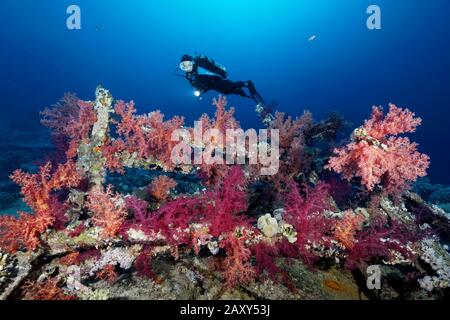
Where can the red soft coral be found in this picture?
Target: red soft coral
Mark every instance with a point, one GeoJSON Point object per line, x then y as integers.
{"type": "Point", "coordinates": [24, 231]}
{"type": "Point", "coordinates": [237, 266]}
{"type": "Point", "coordinates": [378, 156]}
{"type": "Point", "coordinates": [305, 213]}
{"type": "Point", "coordinates": [148, 136]}
{"type": "Point", "coordinates": [294, 158]}
{"type": "Point", "coordinates": [61, 115]}
{"type": "Point", "coordinates": [160, 188]}
{"type": "Point", "coordinates": [109, 211]}
{"type": "Point", "coordinates": [219, 209]}
{"type": "Point", "coordinates": [112, 151]}
{"type": "Point", "coordinates": [223, 120]}
{"type": "Point", "coordinates": [70, 259]}
{"type": "Point", "coordinates": [108, 274]}
{"type": "Point", "coordinates": [346, 228]}
{"type": "Point", "coordinates": [71, 121]}
{"type": "Point", "coordinates": [380, 241]}
{"type": "Point", "coordinates": [175, 217]}
{"type": "Point", "coordinates": [37, 188]}
{"type": "Point", "coordinates": [39, 193]}
{"type": "Point", "coordinates": [143, 264]}
{"type": "Point", "coordinates": [160, 141]}
{"type": "Point", "coordinates": [266, 255]}
{"type": "Point", "coordinates": [49, 290]}
{"type": "Point", "coordinates": [229, 201]}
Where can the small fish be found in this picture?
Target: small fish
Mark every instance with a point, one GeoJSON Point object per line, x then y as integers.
{"type": "Point", "coordinates": [312, 38]}
{"type": "Point", "coordinates": [334, 285]}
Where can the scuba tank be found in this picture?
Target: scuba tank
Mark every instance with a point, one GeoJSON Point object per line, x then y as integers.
{"type": "Point", "coordinates": [210, 65]}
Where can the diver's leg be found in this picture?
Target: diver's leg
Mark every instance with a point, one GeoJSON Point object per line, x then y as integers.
{"type": "Point", "coordinates": [239, 89]}
{"type": "Point", "coordinates": [255, 95]}
{"type": "Point", "coordinates": [226, 86]}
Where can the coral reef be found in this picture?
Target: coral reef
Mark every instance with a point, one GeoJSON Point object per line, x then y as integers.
{"type": "Point", "coordinates": [117, 218]}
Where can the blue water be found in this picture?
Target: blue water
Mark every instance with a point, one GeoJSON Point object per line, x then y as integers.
{"type": "Point", "coordinates": [132, 47]}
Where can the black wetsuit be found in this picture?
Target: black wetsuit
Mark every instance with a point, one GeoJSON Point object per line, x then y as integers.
{"type": "Point", "coordinates": [216, 79]}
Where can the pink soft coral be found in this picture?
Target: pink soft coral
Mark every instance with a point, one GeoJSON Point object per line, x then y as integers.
{"type": "Point", "coordinates": [149, 138]}
{"type": "Point", "coordinates": [174, 218]}
{"type": "Point", "coordinates": [62, 114]}
{"type": "Point", "coordinates": [188, 221]}
{"type": "Point", "coordinates": [39, 193]}
{"type": "Point", "coordinates": [379, 156]}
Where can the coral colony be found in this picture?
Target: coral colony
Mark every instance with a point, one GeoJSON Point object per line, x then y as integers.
{"type": "Point", "coordinates": [267, 200]}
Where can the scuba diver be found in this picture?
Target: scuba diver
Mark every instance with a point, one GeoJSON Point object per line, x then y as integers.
{"type": "Point", "coordinates": [205, 74]}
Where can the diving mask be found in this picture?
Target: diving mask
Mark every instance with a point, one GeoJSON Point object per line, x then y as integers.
{"type": "Point", "coordinates": [187, 66]}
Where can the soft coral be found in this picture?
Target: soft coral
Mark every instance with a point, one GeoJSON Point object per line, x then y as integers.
{"type": "Point", "coordinates": [71, 121]}
{"type": "Point", "coordinates": [237, 266]}
{"type": "Point", "coordinates": [266, 255]}
{"type": "Point", "coordinates": [160, 188]}
{"type": "Point", "coordinates": [148, 136]}
{"type": "Point", "coordinates": [305, 213]}
{"type": "Point", "coordinates": [346, 228]}
{"type": "Point", "coordinates": [39, 193]}
{"type": "Point", "coordinates": [49, 290]}
{"type": "Point", "coordinates": [294, 157]}
{"type": "Point", "coordinates": [223, 120]}
{"type": "Point", "coordinates": [380, 241]}
{"type": "Point", "coordinates": [379, 156]}
{"type": "Point", "coordinates": [109, 211]}
{"type": "Point", "coordinates": [219, 209]}
{"type": "Point", "coordinates": [229, 201]}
